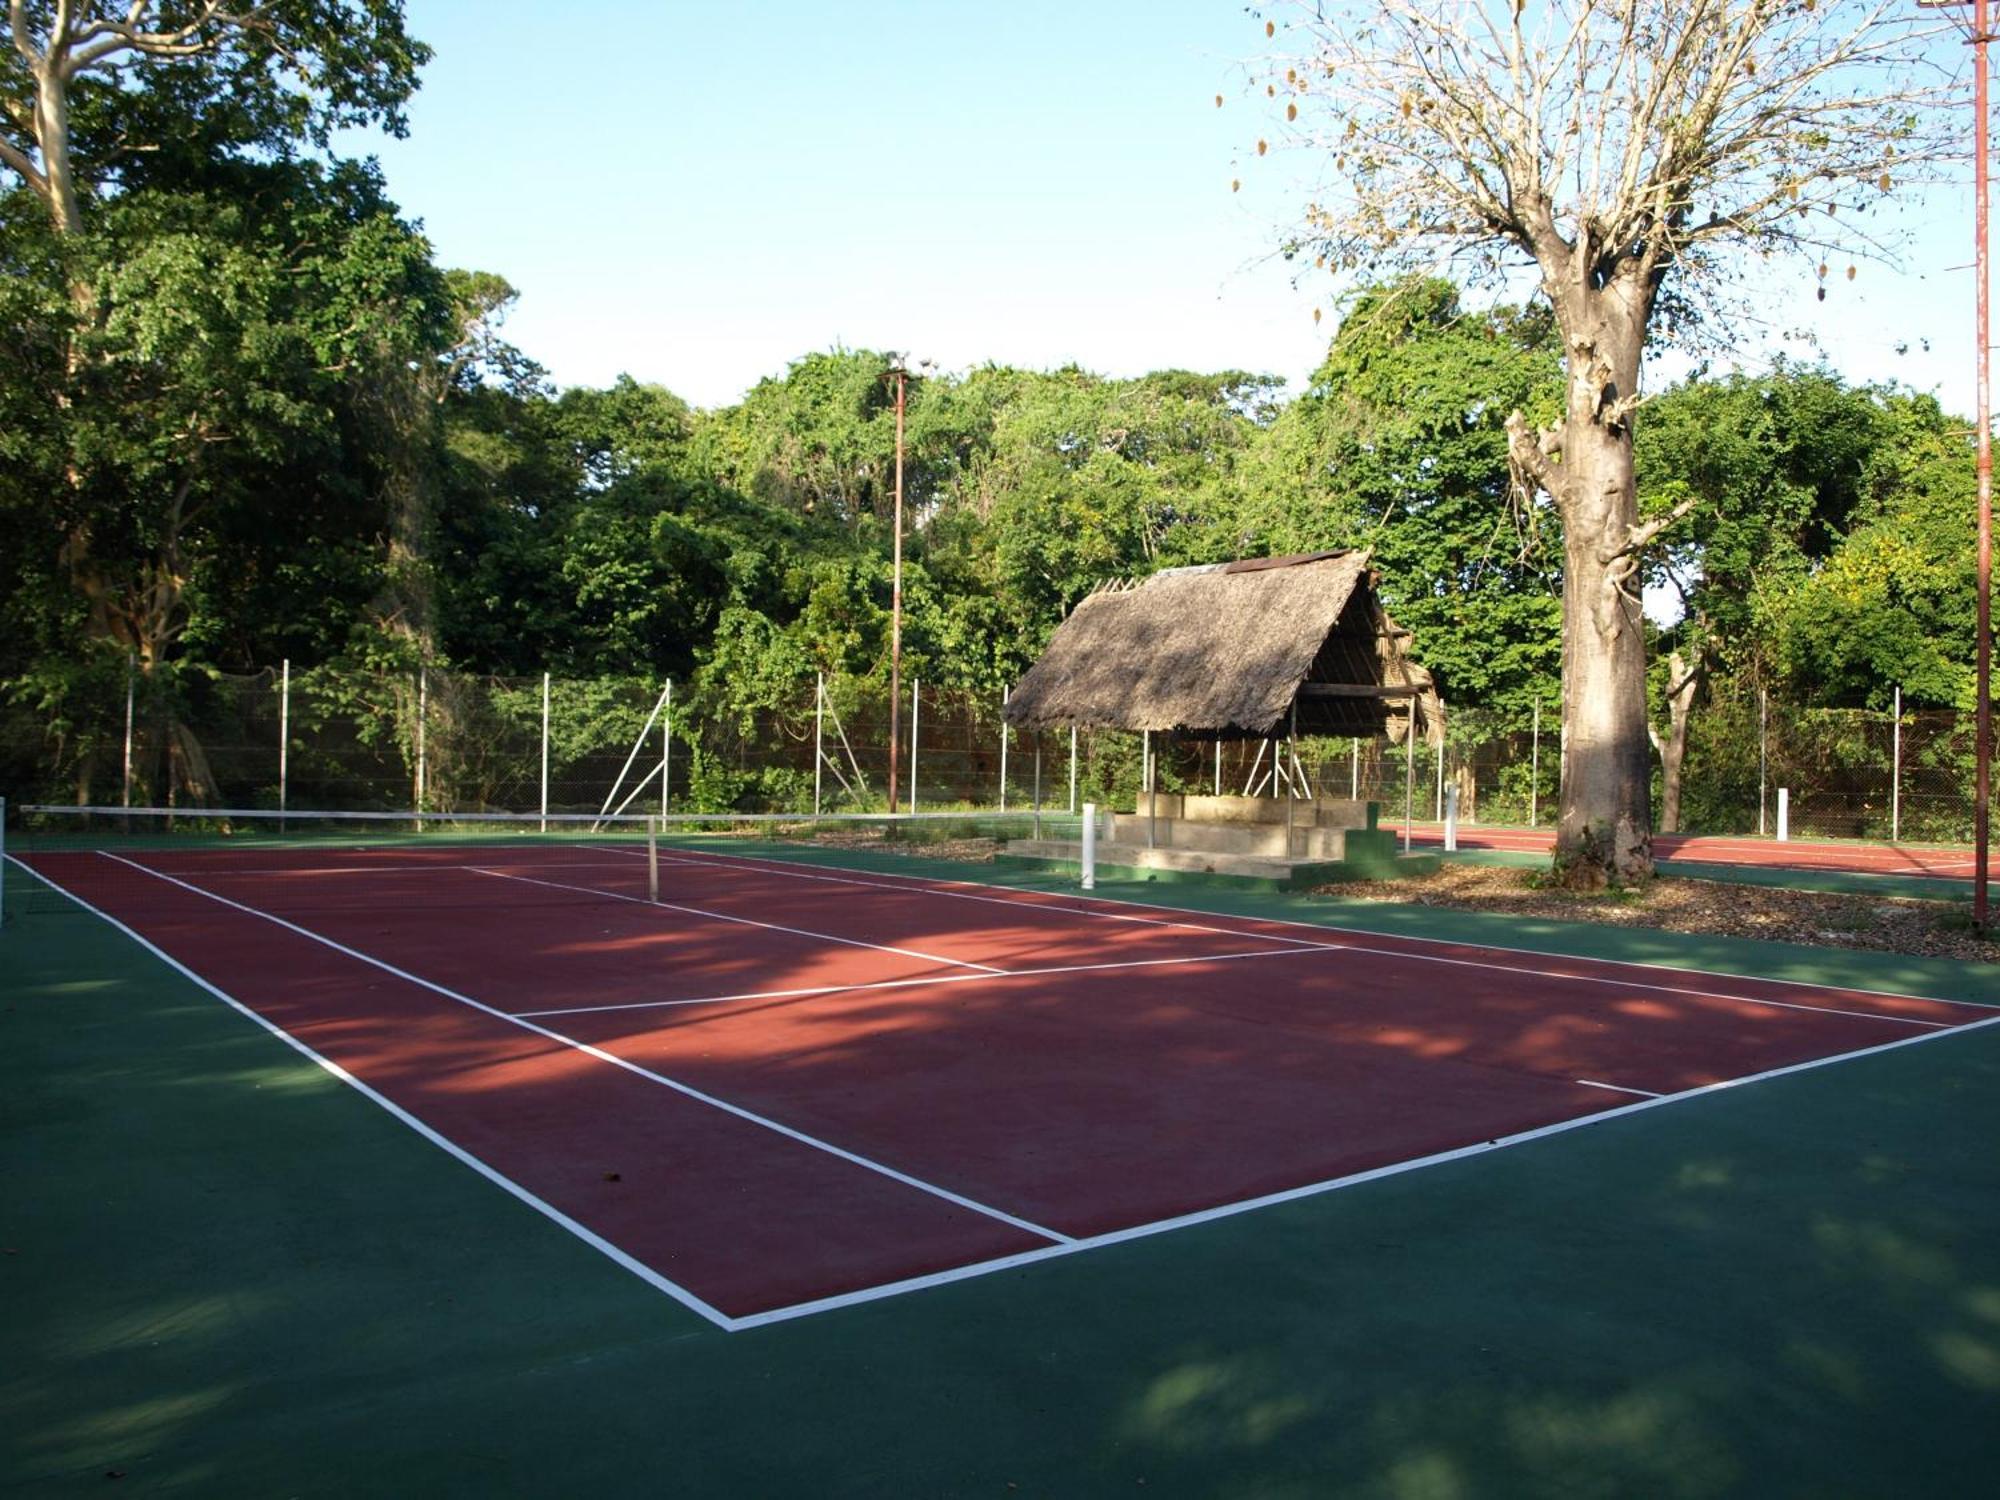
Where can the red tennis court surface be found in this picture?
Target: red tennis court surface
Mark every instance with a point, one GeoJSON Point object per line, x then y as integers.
{"type": "Point", "coordinates": [1932, 862]}
{"type": "Point", "coordinates": [783, 1089]}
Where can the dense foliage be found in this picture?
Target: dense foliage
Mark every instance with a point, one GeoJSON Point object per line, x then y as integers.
{"type": "Point", "coordinates": [245, 416]}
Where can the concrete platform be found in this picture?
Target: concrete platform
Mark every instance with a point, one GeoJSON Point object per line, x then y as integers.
{"type": "Point", "coordinates": [1369, 860]}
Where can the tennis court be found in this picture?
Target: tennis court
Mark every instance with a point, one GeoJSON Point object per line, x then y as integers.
{"type": "Point", "coordinates": [769, 1088]}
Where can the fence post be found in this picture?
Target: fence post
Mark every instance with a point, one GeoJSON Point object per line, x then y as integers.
{"type": "Point", "coordinates": [819, 736]}
{"type": "Point", "coordinates": [1038, 783]}
{"type": "Point", "coordinates": [1535, 767]}
{"type": "Point", "coordinates": [1072, 770]}
{"type": "Point", "coordinates": [1409, 776]}
{"type": "Point", "coordinates": [131, 676]}
{"type": "Point", "coordinates": [1763, 735]}
{"type": "Point", "coordinates": [1354, 773]}
{"type": "Point", "coordinates": [1146, 775]}
{"type": "Point", "coordinates": [284, 731]}
{"type": "Point", "coordinates": [1440, 782]}
{"type": "Point", "coordinates": [1451, 819]}
{"type": "Point", "coordinates": [1090, 846]}
{"type": "Point", "coordinates": [666, 745]}
{"type": "Point", "coordinates": [1896, 775]}
{"type": "Point", "coordinates": [423, 713]}
{"type": "Point", "coordinates": [913, 747]}
{"type": "Point", "coordinates": [545, 752]}
{"type": "Point", "coordinates": [1784, 814]}
{"type": "Point", "coordinates": [1003, 747]}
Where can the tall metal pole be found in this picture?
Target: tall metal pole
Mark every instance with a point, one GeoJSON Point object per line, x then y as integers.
{"type": "Point", "coordinates": [545, 753]}
{"type": "Point", "coordinates": [896, 596]}
{"type": "Point", "coordinates": [1983, 758]}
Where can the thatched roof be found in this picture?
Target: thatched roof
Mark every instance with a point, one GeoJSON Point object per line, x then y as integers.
{"type": "Point", "coordinates": [1229, 652]}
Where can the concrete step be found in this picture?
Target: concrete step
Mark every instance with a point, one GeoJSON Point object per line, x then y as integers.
{"type": "Point", "coordinates": [1268, 840]}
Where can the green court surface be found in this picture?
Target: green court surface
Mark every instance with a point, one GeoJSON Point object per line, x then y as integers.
{"type": "Point", "coordinates": [225, 1273]}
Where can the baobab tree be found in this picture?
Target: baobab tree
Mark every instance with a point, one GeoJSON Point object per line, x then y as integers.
{"type": "Point", "coordinates": [1635, 158]}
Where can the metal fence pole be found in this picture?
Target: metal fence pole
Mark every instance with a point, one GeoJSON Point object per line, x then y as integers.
{"type": "Point", "coordinates": [913, 746]}
{"type": "Point", "coordinates": [131, 678]}
{"type": "Point", "coordinates": [284, 731]}
{"type": "Point", "coordinates": [1003, 747]}
{"type": "Point", "coordinates": [819, 736]}
{"type": "Point", "coordinates": [1038, 783]}
{"type": "Point", "coordinates": [666, 746]}
{"type": "Point", "coordinates": [1535, 768]}
{"type": "Point", "coordinates": [545, 752]}
{"type": "Point", "coordinates": [1409, 777]}
{"type": "Point", "coordinates": [1440, 783]}
{"type": "Point", "coordinates": [1763, 736]}
{"type": "Point", "coordinates": [423, 712]}
{"type": "Point", "coordinates": [1354, 773]}
{"type": "Point", "coordinates": [1072, 770]}
{"type": "Point", "coordinates": [1896, 774]}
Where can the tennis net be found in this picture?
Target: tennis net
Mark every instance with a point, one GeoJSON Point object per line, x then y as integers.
{"type": "Point", "coordinates": [118, 859]}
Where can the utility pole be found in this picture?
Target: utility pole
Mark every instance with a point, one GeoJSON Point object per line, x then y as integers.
{"type": "Point", "coordinates": [1978, 32]}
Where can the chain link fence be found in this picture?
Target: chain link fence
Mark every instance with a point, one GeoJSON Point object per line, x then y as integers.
{"type": "Point", "coordinates": [438, 741]}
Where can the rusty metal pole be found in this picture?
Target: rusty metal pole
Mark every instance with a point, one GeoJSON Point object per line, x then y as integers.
{"type": "Point", "coordinates": [1983, 758]}
{"type": "Point", "coordinates": [896, 596]}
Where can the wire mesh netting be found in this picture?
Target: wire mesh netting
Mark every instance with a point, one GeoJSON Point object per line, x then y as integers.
{"type": "Point", "coordinates": [438, 741]}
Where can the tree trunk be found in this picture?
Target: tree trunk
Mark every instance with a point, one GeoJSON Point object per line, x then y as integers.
{"type": "Point", "coordinates": [1604, 826]}
{"type": "Point", "coordinates": [1681, 684]}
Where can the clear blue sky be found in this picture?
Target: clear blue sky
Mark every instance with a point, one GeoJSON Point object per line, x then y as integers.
{"type": "Point", "coordinates": [696, 194]}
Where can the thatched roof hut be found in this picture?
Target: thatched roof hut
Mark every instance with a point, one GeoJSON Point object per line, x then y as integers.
{"type": "Point", "coordinates": [1229, 651]}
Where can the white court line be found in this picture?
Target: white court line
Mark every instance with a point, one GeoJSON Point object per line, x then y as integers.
{"type": "Point", "coordinates": [1316, 1189]}
{"type": "Point", "coordinates": [492, 1174]}
{"type": "Point", "coordinates": [1619, 1088]}
{"type": "Point", "coordinates": [723, 916]}
{"type": "Point", "coordinates": [927, 979]}
{"type": "Point", "coordinates": [1532, 972]}
{"type": "Point", "coordinates": [987, 1210]}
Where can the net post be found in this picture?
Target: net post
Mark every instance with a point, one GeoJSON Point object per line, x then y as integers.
{"type": "Point", "coordinates": [653, 860]}
{"type": "Point", "coordinates": [1090, 846]}
{"type": "Point", "coordinates": [284, 732]}
{"type": "Point", "coordinates": [545, 752]}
